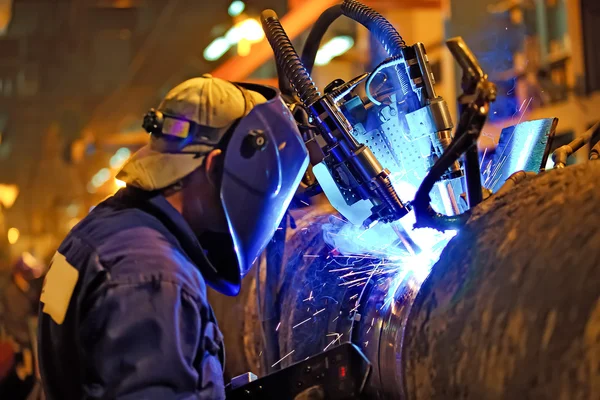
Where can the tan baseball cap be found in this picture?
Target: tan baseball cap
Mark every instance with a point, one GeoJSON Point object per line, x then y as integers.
{"type": "Point", "coordinates": [212, 103]}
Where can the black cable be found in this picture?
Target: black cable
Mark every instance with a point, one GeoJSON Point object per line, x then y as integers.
{"type": "Point", "coordinates": [384, 32]}
{"type": "Point", "coordinates": [425, 215]}
{"type": "Point", "coordinates": [379, 27]}
{"type": "Point", "coordinates": [287, 58]}
{"type": "Point", "coordinates": [473, 176]}
{"type": "Point", "coordinates": [313, 41]}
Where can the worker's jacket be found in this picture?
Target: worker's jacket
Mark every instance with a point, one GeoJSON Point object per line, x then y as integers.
{"type": "Point", "coordinates": [124, 311]}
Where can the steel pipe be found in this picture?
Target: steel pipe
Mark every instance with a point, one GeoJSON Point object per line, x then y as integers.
{"type": "Point", "coordinates": [511, 310]}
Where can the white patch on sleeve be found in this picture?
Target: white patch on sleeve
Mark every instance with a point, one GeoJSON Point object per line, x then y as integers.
{"type": "Point", "coordinates": [58, 288]}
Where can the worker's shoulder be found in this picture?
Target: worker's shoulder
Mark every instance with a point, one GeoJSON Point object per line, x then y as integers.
{"type": "Point", "coordinates": [133, 247]}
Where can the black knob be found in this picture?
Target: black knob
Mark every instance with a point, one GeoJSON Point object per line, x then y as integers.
{"type": "Point", "coordinates": [255, 140]}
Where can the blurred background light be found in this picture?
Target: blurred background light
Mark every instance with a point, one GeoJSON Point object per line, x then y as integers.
{"type": "Point", "coordinates": [216, 49]}
{"type": "Point", "coordinates": [119, 183]}
{"type": "Point", "coordinates": [13, 235]}
{"type": "Point", "coordinates": [243, 35]}
{"type": "Point", "coordinates": [120, 157]}
{"type": "Point", "coordinates": [236, 8]}
{"type": "Point", "coordinates": [8, 195]}
{"type": "Point", "coordinates": [72, 210]}
{"type": "Point", "coordinates": [333, 48]}
{"type": "Point", "coordinates": [250, 29]}
{"type": "Point", "coordinates": [101, 177]}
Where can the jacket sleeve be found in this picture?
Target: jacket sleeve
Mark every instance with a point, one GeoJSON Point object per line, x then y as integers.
{"type": "Point", "coordinates": [150, 340]}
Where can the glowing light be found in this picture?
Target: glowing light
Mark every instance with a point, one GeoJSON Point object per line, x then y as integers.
{"type": "Point", "coordinates": [101, 177]}
{"type": "Point", "coordinates": [13, 235]}
{"type": "Point", "coordinates": [120, 157]}
{"type": "Point", "coordinates": [8, 195]}
{"type": "Point", "coordinates": [382, 243]}
{"type": "Point", "coordinates": [216, 49]}
{"type": "Point", "coordinates": [72, 210]}
{"type": "Point", "coordinates": [119, 183]}
{"type": "Point", "coordinates": [244, 47]}
{"type": "Point", "coordinates": [334, 48]}
{"type": "Point", "coordinates": [525, 152]}
{"type": "Point", "coordinates": [236, 8]}
{"type": "Point", "coordinates": [248, 29]}
{"type": "Point", "coordinates": [251, 30]}
{"type": "Point", "coordinates": [243, 34]}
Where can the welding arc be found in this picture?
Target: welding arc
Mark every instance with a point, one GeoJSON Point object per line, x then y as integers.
{"type": "Point", "coordinates": [405, 238]}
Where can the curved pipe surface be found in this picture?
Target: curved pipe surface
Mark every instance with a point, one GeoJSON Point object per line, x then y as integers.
{"type": "Point", "coordinates": [511, 310]}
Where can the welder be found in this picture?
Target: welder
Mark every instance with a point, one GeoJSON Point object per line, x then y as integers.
{"type": "Point", "coordinates": [124, 311]}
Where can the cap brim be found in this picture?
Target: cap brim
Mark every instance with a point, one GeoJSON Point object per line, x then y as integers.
{"type": "Point", "coordinates": [149, 169]}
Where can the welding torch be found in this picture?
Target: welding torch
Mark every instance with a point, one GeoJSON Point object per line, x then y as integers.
{"type": "Point", "coordinates": [373, 181]}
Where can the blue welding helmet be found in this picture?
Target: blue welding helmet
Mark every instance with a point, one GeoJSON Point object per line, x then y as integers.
{"type": "Point", "coordinates": [264, 164]}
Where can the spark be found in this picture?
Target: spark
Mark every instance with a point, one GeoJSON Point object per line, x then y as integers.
{"type": "Point", "coordinates": [318, 312]}
{"type": "Point", "coordinates": [310, 256]}
{"type": "Point", "coordinates": [335, 319]}
{"type": "Point", "coordinates": [483, 158]}
{"type": "Point", "coordinates": [513, 132]}
{"type": "Point", "coordinates": [278, 325]}
{"type": "Point", "coordinates": [284, 357]}
{"type": "Point", "coordinates": [260, 354]}
{"type": "Point", "coordinates": [386, 302]}
{"type": "Point", "coordinates": [339, 336]}
{"type": "Point", "coordinates": [310, 297]}
{"type": "Point", "coordinates": [354, 281]}
{"type": "Point", "coordinates": [303, 202]}
{"type": "Point", "coordinates": [300, 323]}
{"type": "Point", "coordinates": [353, 297]}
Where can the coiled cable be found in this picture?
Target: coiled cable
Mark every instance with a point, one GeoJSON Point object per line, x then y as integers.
{"type": "Point", "coordinates": [288, 60]}
{"type": "Point", "coordinates": [383, 31]}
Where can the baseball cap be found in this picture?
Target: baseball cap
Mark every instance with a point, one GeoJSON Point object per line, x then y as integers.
{"type": "Point", "coordinates": [214, 105]}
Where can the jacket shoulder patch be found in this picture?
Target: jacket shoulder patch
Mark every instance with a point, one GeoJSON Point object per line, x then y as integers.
{"type": "Point", "coordinates": [58, 288]}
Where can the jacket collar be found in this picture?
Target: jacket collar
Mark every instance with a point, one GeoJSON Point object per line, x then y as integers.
{"type": "Point", "coordinates": [205, 252]}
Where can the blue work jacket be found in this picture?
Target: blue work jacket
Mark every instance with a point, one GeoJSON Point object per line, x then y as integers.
{"type": "Point", "coordinates": [124, 311]}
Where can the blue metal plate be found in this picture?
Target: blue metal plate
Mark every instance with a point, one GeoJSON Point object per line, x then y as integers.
{"type": "Point", "coordinates": [524, 146]}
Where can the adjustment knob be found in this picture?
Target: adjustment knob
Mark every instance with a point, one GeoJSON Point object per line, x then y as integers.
{"type": "Point", "coordinates": [255, 140]}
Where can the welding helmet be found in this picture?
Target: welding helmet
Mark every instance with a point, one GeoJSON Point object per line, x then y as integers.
{"type": "Point", "coordinates": [264, 160]}
{"type": "Point", "coordinates": [264, 163]}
